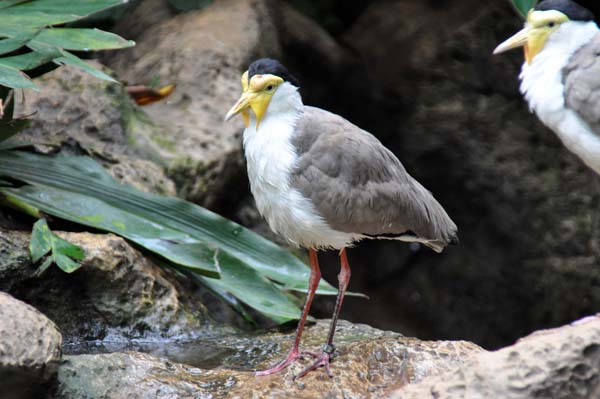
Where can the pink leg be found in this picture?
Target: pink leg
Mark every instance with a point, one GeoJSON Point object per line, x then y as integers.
{"type": "Point", "coordinates": [323, 360]}
{"type": "Point", "coordinates": [313, 283]}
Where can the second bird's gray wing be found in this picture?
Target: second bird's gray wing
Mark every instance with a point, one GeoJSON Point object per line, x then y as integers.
{"type": "Point", "coordinates": [359, 186]}
{"type": "Point", "coordinates": [582, 83]}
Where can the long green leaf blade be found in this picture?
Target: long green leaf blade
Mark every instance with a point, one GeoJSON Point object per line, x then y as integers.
{"type": "Point", "coordinates": [29, 60]}
{"type": "Point", "coordinates": [13, 78]}
{"type": "Point", "coordinates": [72, 60]}
{"type": "Point", "coordinates": [12, 44]}
{"type": "Point", "coordinates": [79, 8]}
{"type": "Point", "coordinates": [10, 3]}
{"type": "Point", "coordinates": [175, 246]}
{"type": "Point", "coordinates": [41, 13]}
{"type": "Point", "coordinates": [83, 175]}
{"type": "Point", "coordinates": [82, 39]}
{"type": "Point", "coordinates": [249, 287]}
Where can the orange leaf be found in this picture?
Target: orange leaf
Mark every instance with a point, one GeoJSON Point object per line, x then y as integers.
{"type": "Point", "coordinates": [144, 95]}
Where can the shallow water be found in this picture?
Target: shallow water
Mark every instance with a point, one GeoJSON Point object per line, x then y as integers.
{"type": "Point", "coordinates": [196, 353]}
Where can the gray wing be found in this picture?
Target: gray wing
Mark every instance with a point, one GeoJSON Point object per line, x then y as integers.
{"type": "Point", "coordinates": [359, 186]}
{"type": "Point", "coordinates": [582, 83]}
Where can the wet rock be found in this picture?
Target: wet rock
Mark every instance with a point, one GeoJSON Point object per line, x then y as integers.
{"type": "Point", "coordinates": [525, 206]}
{"type": "Point", "coordinates": [563, 363]}
{"type": "Point", "coordinates": [117, 293]}
{"type": "Point", "coordinates": [204, 53]}
{"type": "Point", "coordinates": [371, 363]}
{"type": "Point", "coordinates": [29, 349]}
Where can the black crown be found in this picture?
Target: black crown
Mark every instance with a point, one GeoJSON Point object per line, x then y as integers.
{"type": "Point", "coordinates": [270, 66]}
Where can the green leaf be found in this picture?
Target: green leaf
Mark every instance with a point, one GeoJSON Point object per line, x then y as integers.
{"type": "Point", "coordinates": [17, 203]}
{"type": "Point", "coordinates": [41, 240]}
{"type": "Point", "coordinates": [63, 253]}
{"type": "Point", "coordinates": [65, 263]}
{"type": "Point", "coordinates": [79, 8]}
{"type": "Point", "coordinates": [523, 6]}
{"type": "Point", "coordinates": [29, 23]}
{"type": "Point", "coordinates": [10, 3]}
{"type": "Point", "coordinates": [13, 78]}
{"type": "Point", "coordinates": [66, 248]}
{"type": "Point", "coordinates": [247, 285]}
{"type": "Point", "coordinates": [12, 44]}
{"type": "Point", "coordinates": [82, 39]}
{"type": "Point", "coordinates": [30, 60]}
{"type": "Point", "coordinates": [72, 60]}
{"type": "Point", "coordinates": [40, 13]}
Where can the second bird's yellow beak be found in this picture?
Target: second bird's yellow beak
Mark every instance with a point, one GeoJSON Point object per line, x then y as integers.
{"type": "Point", "coordinates": [519, 39]}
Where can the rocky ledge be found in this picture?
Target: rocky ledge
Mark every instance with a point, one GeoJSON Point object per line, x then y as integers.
{"type": "Point", "coordinates": [558, 363]}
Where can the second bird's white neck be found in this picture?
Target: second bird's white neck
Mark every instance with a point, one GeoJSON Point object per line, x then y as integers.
{"type": "Point", "coordinates": [543, 87]}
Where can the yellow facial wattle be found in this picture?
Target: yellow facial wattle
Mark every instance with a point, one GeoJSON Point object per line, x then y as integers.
{"type": "Point", "coordinates": [256, 95]}
{"type": "Point", "coordinates": [535, 34]}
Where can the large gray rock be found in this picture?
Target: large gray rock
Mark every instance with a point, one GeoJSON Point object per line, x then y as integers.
{"type": "Point", "coordinates": [563, 363]}
{"type": "Point", "coordinates": [29, 349]}
{"type": "Point", "coordinates": [371, 364]}
{"type": "Point", "coordinates": [204, 52]}
{"type": "Point", "coordinates": [118, 293]}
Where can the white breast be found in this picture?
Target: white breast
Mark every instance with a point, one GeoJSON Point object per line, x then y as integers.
{"type": "Point", "coordinates": [542, 86]}
{"type": "Point", "coordinates": [270, 158]}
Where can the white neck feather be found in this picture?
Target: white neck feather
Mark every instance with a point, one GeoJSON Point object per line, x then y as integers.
{"type": "Point", "coordinates": [543, 88]}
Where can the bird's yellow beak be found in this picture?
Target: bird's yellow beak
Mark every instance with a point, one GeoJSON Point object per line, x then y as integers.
{"type": "Point", "coordinates": [256, 95]}
{"type": "Point", "coordinates": [533, 37]}
{"type": "Point", "coordinates": [242, 104]}
{"type": "Point", "coordinates": [520, 39]}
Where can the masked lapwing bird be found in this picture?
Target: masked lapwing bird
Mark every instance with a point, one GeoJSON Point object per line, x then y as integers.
{"type": "Point", "coordinates": [323, 183]}
{"type": "Point", "coordinates": [560, 78]}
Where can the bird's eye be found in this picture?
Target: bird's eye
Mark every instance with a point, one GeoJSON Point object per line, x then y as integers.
{"type": "Point", "coordinates": [269, 87]}
{"type": "Point", "coordinates": [551, 24]}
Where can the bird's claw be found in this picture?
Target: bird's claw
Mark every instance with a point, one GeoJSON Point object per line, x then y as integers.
{"type": "Point", "coordinates": [291, 357]}
{"type": "Point", "coordinates": [323, 360]}
{"type": "Point", "coordinates": [312, 354]}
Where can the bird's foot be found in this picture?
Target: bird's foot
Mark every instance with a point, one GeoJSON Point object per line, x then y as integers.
{"type": "Point", "coordinates": [291, 357]}
{"type": "Point", "coordinates": [323, 360]}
